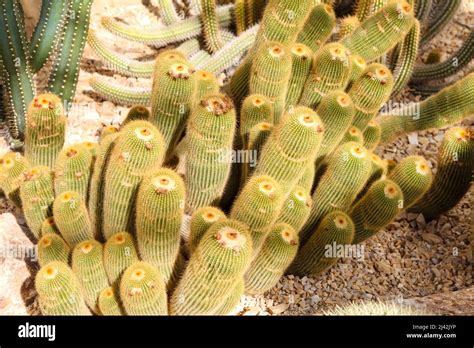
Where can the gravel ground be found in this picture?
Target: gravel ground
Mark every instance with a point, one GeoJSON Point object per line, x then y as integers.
{"type": "Point", "coordinates": [413, 261]}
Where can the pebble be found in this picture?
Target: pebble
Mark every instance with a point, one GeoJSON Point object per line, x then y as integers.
{"type": "Point", "coordinates": [431, 238]}
{"type": "Point", "coordinates": [278, 309]}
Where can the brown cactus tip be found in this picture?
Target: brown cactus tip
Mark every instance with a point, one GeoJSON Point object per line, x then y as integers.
{"type": "Point", "coordinates": [390, 191]}
{"type": "Point", "coordinates": [218, 105]}
{"type": "Point", "coordinates": [50, 272]}
{"type": "Point", "coordinates": [71, 152]}
{"type": "Point", "coordinates": [340, 221]}
{"type": "Point", "coordinates": [119, 238]}
{"type": "Point", "coordinates": [180, 71]}
{"type": "Point", "coordinates": [229, 237]}
{"type": "Point", "coordinates": [86, 247]}
{"type": "Point", "coordinates": [45, 242]}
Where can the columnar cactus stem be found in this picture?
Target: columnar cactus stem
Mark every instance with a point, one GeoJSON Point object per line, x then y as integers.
{"type": "Point", "coordinates": [382, 31]}
{"type": "Point", "coordinates": [17, 73]}
{"type": "Point", "coordinates": [441, 13]}
{"type": "Point", "coordinates": [12, 168]}
{"type": "Point", "coordinates": [138, 112]}
{"type": "Point", "coordinates": [209, 138]}
{"type": "Point", "coordinates": [292, 145]}
{"type": "Point", "coordinates": [201, 220]}
{"type": "Point", "coordinates": [109, 303]}
{"type": "Point", "coordinates": [347, 171]}
{"type": "Point", "coordinates": [138, 150]}
{"type": "Point", "coordinates": [347, 25]}
{"type": "Point", "coordinates": [377, 208]}
{"type": "Point", "coordinates": [119, 253]}
{"type": "Point", "coordinates": [413, 176]}
{"type": "Point", "coordinates": [232, 300]}
{"type": "Point", "coordinates": [48, 31]}
{"type": "Point", "coordinates": [37, 196]}
{"type": "Point", "coordinates": [52, 247]}
{"type": "Point", "coordinates": [49, 226]}
{"type": "Point", "coordinates": [353, 134]}
{"type": "Point", "coordinates": [88, 266]}
{"type": "Point", "coordinates": [307, 179]}
{"type": "Point", "coordinates": [369, 93]}
{"type": "Point", "coordinates": [206, 84]}
{"type": "Point", "coordinates": [72, 218]}
{"type": "Point", "coordinates": [276, 254]}
{"type": "Point", "coordinates": [210, 25]}
{"type": "Point", "coordinates": [453, 177]}
{"type": "Point", "coordinates": [173, 86]}
{"type": "Point", "coordinates": [59, 291]}
{"type": "Point", "coordinates": [159, 214]}
{"type": "Point", "coordinates": [296, 208]}
{"type": "Point", "coordinates": [271, 69]}
{"type": "Point", "coordinates": [118, 94]}
{"type": "Point", "coordinates": [256, 108]}
{"type": "Point", "coordinates": [65, 71]}
{"type": "Point", "coordinates": [300, 69]}
{"type": "Point", "coordinates": [158, 36]}
{"type": "Point", "coordinates": [372, 135]}
{"type": "Point", "coordinates": [143, 291]}
{"type": "Point", "coordinates": [357, 69]}
{"type": "Point", "coordinates": [217, 264]}
{"type": "Point", "coordinates": [73, 170]}
{"type": "Point", "coordinates": [330, 72]}
{"type": "Point", "coordinates": [168, 12]}
{"type": "Point", "coordinates": [336, 230]}
{"type": "Point", "coordinates": [318, 27]}
{"type": "Point", "coordinates": [450, 105]}
{"type": "Point", "coordinates": [258, 206]}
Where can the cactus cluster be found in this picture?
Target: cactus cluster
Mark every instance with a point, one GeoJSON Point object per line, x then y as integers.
{"type": "Point", "coordinates": [168, 215]}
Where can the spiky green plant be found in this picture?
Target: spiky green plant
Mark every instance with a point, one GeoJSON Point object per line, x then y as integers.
{"type": "Point", "coordinates": [12, 168]}
{"type": "Point", "coordinates": [143, 291]}
{"type": "Point", "coordinates": [201, 220]}
{"type": "Point", "coordinates": [219, 261]}
{"type": "Point", "coordinates": [232, 300]}
{"type": "Point", "coordinates": [210, 24]}
{"type": "Point", "coordinates": [59, 291]}
{"type": "Point", "coordinates": [137, 112]}
{"type": "Point", "coordinates": [296, 208]}
{"type": "Point", "coordinates": [454, 174]}
{"type": "Point", "coordinates": [138, 150]}
{"type": "Point", "coordinates": [302, 58]}
{"type": "Point", "coordinates": [347, 25]}
{"type": "Point", "coordinates": [318, 27]}
{"type": "Point", "coordinates": [52, 247]}
{"type": "Point", "coordinates": [159, 211]}
{"type": "Point", "coordinates": [88, 266]}
{"type": "Point", "coordinates": [320, 252]}
{"type": "Point", "coordinates": [206, 84]}
{"type": "Point", "coordinates": [277, 252]}
{"type": "Point", "coordinates": [375, 308]}
{"type": "Point", "coordinates": [49, 226]}
{"type": "Point", "coordinates": [37, 196]}
{"type": "Point", "coordinates": [72, 218]}
{"type": "Point", "coordinates": [119, 253]}
{"type": "Point", "coordinates": [372, 135]}
{"type": "Point", "coordinates": [353, 134]}
{"type": "Point", "coordinates": [256, 108]}
{"type": "Point", "coordinates": [109, 303]}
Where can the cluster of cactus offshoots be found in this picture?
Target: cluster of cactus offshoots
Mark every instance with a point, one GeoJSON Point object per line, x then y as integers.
{"type": "Point", "coordinates": [158, 218]}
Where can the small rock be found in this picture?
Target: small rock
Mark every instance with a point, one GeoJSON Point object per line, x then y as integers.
{"type": "Point", "coordinates": [412, 216]}
{"type": "Point", "coordinates": [413, 138]}
{"type": "Point", "coordinates": [383, 266]}
{"type": "Point", "coordinates": [252, 311]}
{"type": "Point", "coordinates": [431, 238]}
{"type": "Point", "coordinates": [275, 310]}
{"type": "Point", "coordinates": [420, 220]}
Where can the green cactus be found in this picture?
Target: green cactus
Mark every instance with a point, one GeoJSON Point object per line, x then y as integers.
{"type": "Point", "coordinates": [336, 112]}
{"type": "Point", "coordinates": [37, 196]}
{"type": "Point", "coordinates": [232, 300]}
{"type": "Point", "coordinates": [330, 72]}
{"type": "Point", "coordinates": [257, 137]}
{"type": "Point", "coordinates": [449, 106]}
{"type": "Point", "coordinates": [173, 87]}
{"type": "Point", "coordinates": [106, 131]}
{"type": "Point", "coordinates": [52, 247]}
{"type": "Point", "coordinates": [336, 230]}
{"type": "Point", "coordinates": [12, 168]}
{"type": "Point", "coordinates": [118, 94]}
{"type": "Point", "coordinates": [201, 220]}
{"type": "Point", "coordinates": [372, 135]}
{"type": "Point", "coordinates": [65, 72]}
{"type": "Point", "coordinates": [159, 36]}
{"type": "Point", "coordinates": [48, 31]}
{"type": "Point", "coordinates": [369, 92]}
{"type": "Point", "coordinates": [88, 266]}
{"type": "Point", "coordinates": [206, 84]}
{"type": "Point", "coordinates": [454, 174]}
{"type": "Point", "coordinates": [296, 208]}
{"type": "Point", "coordinates": [306, 181]}
{"type": "Point", "coordinates": [353, 134]}
{"type": "Point", "coordinates": [434, 56]}
{"type": "Point", "coordinates": [159, 214]}
{"type": "Point", "coordinates": [97, 183]}
{"type": "Point", "coordinates": [168, 12]}
{"type": "Point", "coordinates": [73, 170]}
{"type": "Point", "coordinates": [348, 169]}
{"type": "Point", "coordinates": [271, 69]}
{"type": "Point", "coordinates": [440, 14]}
{"type": "Point", "coordinates": [72, 218]}
{"type": "Point", "coordinates": [256, 108]}
{"type": "Point", "coordinates": [292, 145]}
{"type": "Point", "coordinates": [258, 206]}
{"type": "Point", "coordinates": [276, 254]}
{"type": "Point", "coordinates": [413, 176]}
{"type": "Point", "coordinates": [93, 148]}
{"type": "Point", "coordinates": [376, 209]}
{"type": "Point", "coordinates": [143, 291]}
{"type": "Point", "coordinates": [138, 112]}
{"type": "Point", "coordinates": [119, 253]}
{"type": "Point", "coordinates": [366, 8]}
{"type": "Point", "coordinates": [49, 226]}
{"type": "Point", "coordinates": [381, 32]}
{"type": "Point", "coordinates": [45, 131]}
{"type": "Point", "coordinates": [358, 67]}
{"type": "Point", "coordinates": [347, 25]}
{"type": "Point", "coordinates": [375, 308]}
{"type": "Point", "coordinates": [109, 303]}
{"type": "Point", "coordinates": [210, 24]}
{"type": "Point", "coordinates": [59, 291]}
{"type": "Point", "coordinates": [138, 150]}
{"type": "Point", "coordinates": [318, 27]}
{"type": "Point", "coordinates": [17, 75]}
{"type": "Point", "coordinates": [217, 264]}
{"type": "Point", "coordinates": [240, 18]}
{"type": "Point", "coordinates": [302, 58]}
{"type": "Point", "coordinates": [209, 137]}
